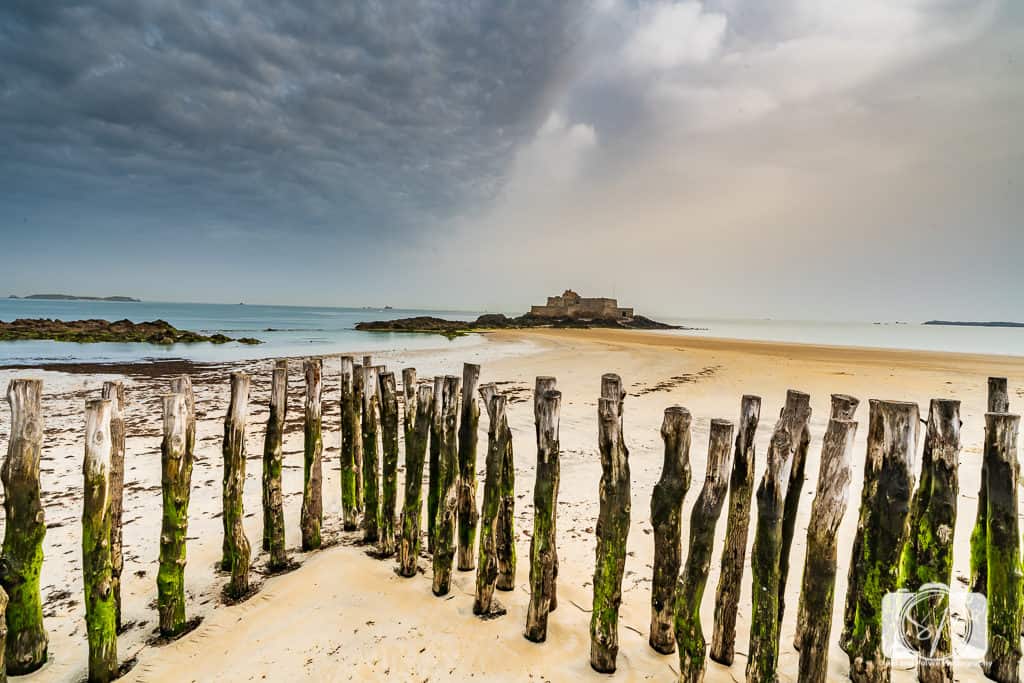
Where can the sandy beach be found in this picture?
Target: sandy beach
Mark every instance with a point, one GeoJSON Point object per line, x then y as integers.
{"type": "Point", "coordinates": [344, 615]}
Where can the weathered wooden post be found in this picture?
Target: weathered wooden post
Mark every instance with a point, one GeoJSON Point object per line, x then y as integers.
{"type": "Point", "coordinates": [881, 530]}
{"type": "Point", "coordinates": [469, 421]}
{"type": "Point", "coordinates": [357, 435]}
{"type": "Point", "coordinates": [545, 491]}
{"type": "Point", "coordinates": [741, 487]}
{"type": "Point", "coordinates": [541, 386]}
{"type": "Point", "coordinates": [273, 460]}
{"type": "Point", "coordinates": [350, 432]}
{"type": "Point", "coordinates": [928, 550]}
{"type": "Point", "coordinates": [182, 384]}
{"type": "Point", "coordinates": [24, 529]}
{"type": "Point", "coordinates": [237, 552]}
{"type": "Point", "coordinates": [1002, 660]}
{"type": "Point", "coordinates": [817, 591]}
{"type": "Point", "coordinates": [505, 530]}
{"type": "Point", "coordinates": [176, 479]}
{"type": "Point", "coordinates": [409, 391]}
{"type": "Point", "coordinates": [690, 592]}
{"type": "Point", "coordinates": [998, 402]}
{"type": "Point", "coordinates": [612, 527]}
{"type": "Point", "coordinates": [114, 392]}
{"type": "Point", "coordinates": [766, 563]}
{"type": "Point", "coordinates": [3, 635]}
{"type": "Point", "coordinates": [313, 446]}
{"type": "Point", "coordinates": [434, 466]}
{"type": "Point", "coordinates": [97, 561]}
{"type": "Point", "coordinates": [371, 464]}
{"type": "Point", "coordinates": [797, 413]}
{"type": "Point", "coordinates": [497, 439]}
{"type": "Point", "coordinates": [415, 454]}
{"type": "Point", "coordinates": [666, 518]}
{"type": "Point", "coordinates": [389, 462]}
{"type": "Point", "coordinates": [448, 464]}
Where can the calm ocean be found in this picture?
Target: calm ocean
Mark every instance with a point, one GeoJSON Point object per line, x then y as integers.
{"type": "Point", "coordinates": [299, 330]}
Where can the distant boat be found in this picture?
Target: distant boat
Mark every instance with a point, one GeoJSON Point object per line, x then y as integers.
{"type": "Point", "coordinates": [388, 308]}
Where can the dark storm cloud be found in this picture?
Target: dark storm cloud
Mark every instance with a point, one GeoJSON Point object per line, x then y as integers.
{"type": "Point", "coordinates": [309, 116]}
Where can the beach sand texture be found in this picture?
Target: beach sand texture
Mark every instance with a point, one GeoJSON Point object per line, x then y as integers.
{"type": "Point", "coordinates": [346, 616]}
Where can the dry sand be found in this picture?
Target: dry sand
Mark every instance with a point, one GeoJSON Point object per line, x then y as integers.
{"type": "Point", "coordinates": [346, 616]}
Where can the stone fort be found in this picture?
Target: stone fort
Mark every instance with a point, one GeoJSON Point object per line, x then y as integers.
{"type": "Point", "coordinates": [572, 305]}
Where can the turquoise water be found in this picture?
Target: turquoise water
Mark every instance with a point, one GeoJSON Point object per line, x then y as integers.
{"type": "Point", "coordinates": [297, 331]}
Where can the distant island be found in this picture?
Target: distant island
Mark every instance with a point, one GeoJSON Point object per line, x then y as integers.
{"type": "Point", "coordinates": [961, 323]}
{"type": "Point", "coordinates": [89, 331]}
{"type": "Point", "coordinates": [72, 297]}
{"type": "Point", "coordinates": [569, 310]}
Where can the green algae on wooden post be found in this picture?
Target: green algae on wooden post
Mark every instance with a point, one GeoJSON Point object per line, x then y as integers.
{"type": "Point", "coordinates": [734, 551]}
{"type": "Point", "coordinates": [998, 402]}
{"type": "Point", "coordinates": [881, 531]}
{"type": "Point", "coordinates": [114, 392]}
{"type": "Point", "coordinates": [928, 551]}
{"type": "Point", "coordinates": [469, 422]}
{"type": "Point", "coordinates": [312, 516]}
{"type": "Point", "coordinates": [797, 413]}
{"type": "Point", "coordinates": [25, 529]}
{"type": "Point", "coordinates": [97, 561]}
{"type": "Point", "coordinates": [1002, 660]}
{"type": "Point", "coordinates": [612, 527]}
{"type": "Point", "coordinates": [176, 459]}
{"type": "Point", "coordinates": [817, 592]}
{"type": "Point", "coordinates": [667, 520]}
{"type": "Point", "coordinates": [237, 551]}
{"type": "Point", "coordinates": [371, 464]}
{"type": "Point", "coordinates": [703, 520]}
{"type": "Point", "coordinates": [434, 466]}
{"type": "Point", "coordinates": [389, 462]}
{"type": "Point", "coordinates": [273, 461]}
{"type": "Point", "coordinates": [541, 386]}
{"type": "Point", "coordinates": [415, 454]}
{"type": "Point", "coordinates": [487, 565]}
{"type": "Point", "coordinates": [350, 432]}
{"type": "Point", "coordinates": [769, 537]}
{"type": "Point", "coordinates": [542, 544]}
{"type": "Point", "coordinates": [447, 502]}
{"type": "Point", "coordinates": [357, 434]}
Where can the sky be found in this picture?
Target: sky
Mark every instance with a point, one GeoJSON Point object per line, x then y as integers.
{"type": "Point", "coordinates": [807, 159]}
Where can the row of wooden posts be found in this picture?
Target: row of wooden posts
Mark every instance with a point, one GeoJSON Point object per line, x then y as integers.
{"type": "Point", "coordinates": [904, 536]}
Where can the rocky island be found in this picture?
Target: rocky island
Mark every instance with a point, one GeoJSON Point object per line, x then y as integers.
{"type": "Point", "coordinates": [73, 297]}
{"type": "Point", "coordinates": [569, 310]}
{"type": "Point", "coordinates": [88, 331]}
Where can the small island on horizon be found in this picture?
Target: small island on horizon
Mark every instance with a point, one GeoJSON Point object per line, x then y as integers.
{"type": "Point", "coordinates": [961, 323]}
{"type": "Point", "coordinates": [74, 297]}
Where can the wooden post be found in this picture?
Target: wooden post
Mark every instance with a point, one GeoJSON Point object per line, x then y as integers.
{"type": "Point", "coordinates": [788, 443]}
{"type": "Point", "coordinates": [448, 464]}
{"type": "Point", "coordinates": [237, 552]}
{"type": "Point", "coordinates": [350, 433]}
{"type": "Point", "coordinates": [797, 414]}
{"type": "Point", "coordinates": [817, 591]}
{"type": "Point", "coordinates": [273, 461]}
{"type": "Point", "coordinates": [97, 562]}
{"type": "Point", "coordinates": [389, 462]}
{"type": "Point", "coordinates": [998, 402]}
{"type": "Point", "coordinates": [114, 392]}
{"type": "Point", "coordinates": [541, 386]}
{"type": "Point", "coordinates": [313, 446]}
{"type": "Point", "coordinates": [182, 384]}
{"type": "Point", "coordinates": [881, 530]}
{"type": "Point", "coordinates": [704, 518]}
{"type": "Point", "coordinates": [612, 527]}
{"type": "Point", "coordinates": [176, 478]}
{"type": "Point", "coordinates": [3, 634]}
{"type": "Point", "coordinates": [741, 487]}
{"type": "Point", "coordinates": [497, 440]}
{"type": "Point", "coordinates": [357, 434]}
{"type": "Point", "coordinates": [1002, 660]}
{"type": "Point", "coordinates": [928, 551]}
{"type": "Point", "coordinates": [469, 422]}
{"type": "Point", "coordinates": [415, 453]}
{"type": "Point", "coordinates": [666, 518]}
{"type": "Point", "coordinates": [371, 465]}
{"type": "Point", "coordinates": [542, 544]}
{"type": "Point", "coordinates": [434, 466]}
{"type": "Point", "coordinates": [24, 530]}
{"type": "Point", "coordinates": [505, 531]}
